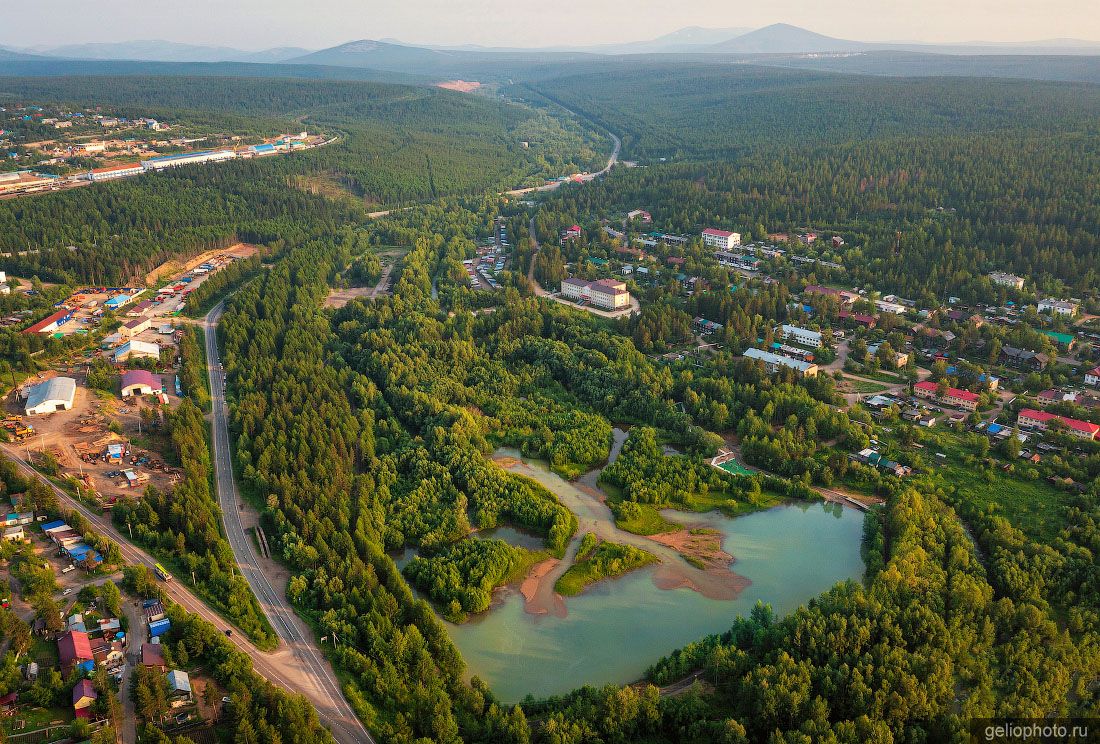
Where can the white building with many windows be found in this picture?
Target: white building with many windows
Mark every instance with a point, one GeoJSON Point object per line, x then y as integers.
{"type": "Point", "coordinates": [803, 336]}
{"type": "Point", "coordinates": [721, 240]}
{"type": "Point", "coordinates": [772, 362]}
{"type": "Point", "coordinates": [606, 294]}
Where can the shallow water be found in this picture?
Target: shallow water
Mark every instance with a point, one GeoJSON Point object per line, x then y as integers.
{"type": "Point", "coordinates": [617, 628]}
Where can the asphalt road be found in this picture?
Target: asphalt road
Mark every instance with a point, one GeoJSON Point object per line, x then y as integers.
{"type": "Point", "coordinates": [317, 679]}
{"type": "Point", "coordinates": [279, 668]}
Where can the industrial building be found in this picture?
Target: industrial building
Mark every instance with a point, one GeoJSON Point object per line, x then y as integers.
{"type": "Point", "coordinates": [774, 361]}
{"type": "Point", "coordinates": [136, 350]}
{"type": "Point", "coordinates": [606, 294]}
{"type": "Point", "coordinates": [721, 240]}
{"type": "Point", "coordinates": [133, 327]}
{"type": "Point", "coordinates": [51, 323]}
{"type": "Point", "coordinates": [140, 382]}
{"type": "Point", "coordinates": [187, 158]}
{"type": "Point", "coordinates": [55, 394]}
{"type": "Point", "coordinates": [113, 172]}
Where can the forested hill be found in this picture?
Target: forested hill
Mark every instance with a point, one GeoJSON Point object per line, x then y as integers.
{"type": "Point", "coordinates": [932, 182]}
{"type": "Point", "coordinates": [709, 112]}
{"type": "Point", "coordinates": [396, 144]}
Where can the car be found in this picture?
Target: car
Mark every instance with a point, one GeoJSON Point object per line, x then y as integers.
{"type": "Point", "coordinates": [66, 593]}
{"type": "Point", "coordinates": [226, 700]}
{"type": "Point", "coordinates": [228, 632]}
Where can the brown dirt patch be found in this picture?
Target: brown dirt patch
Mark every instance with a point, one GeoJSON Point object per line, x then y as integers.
{"type": "Point", "coordinates": [709, 574]}
{"type": "Point", "coordinates": [462, 86]}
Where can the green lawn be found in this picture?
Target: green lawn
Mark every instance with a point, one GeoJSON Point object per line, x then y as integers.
{"type": "Point", "coordinates": [862, 386]}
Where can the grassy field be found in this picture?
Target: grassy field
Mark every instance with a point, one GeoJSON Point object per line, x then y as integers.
{"type": "Point", "coordinates": [864, 387]}
{"type": "Point", "coordinates": [607, 560]}
{"type": "Point", "coordinates": [1033, 505]}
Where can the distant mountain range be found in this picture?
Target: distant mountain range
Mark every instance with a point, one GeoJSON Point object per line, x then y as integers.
{"type": "Point", "coordinates": [162, 51]}
{"type": "Point", "coordinates": [779, 44]}
{"type": "Point", "coordinates": [389, 54]}
{"type": "Point", "coordinates": [782, 38]}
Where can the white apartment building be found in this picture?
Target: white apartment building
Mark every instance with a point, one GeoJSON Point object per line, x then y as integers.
{"type": "Point", "coordinates": [803, 336]}
{"type": "Point", "coordinates": [721, 240]}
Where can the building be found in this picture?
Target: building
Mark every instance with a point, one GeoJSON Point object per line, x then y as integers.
{"type": "Point", "coordinates": [14, 534]}
{"type": "Point", "coordinates": [862, 319]}
{"type": "Point", "coordinates": [1058, 307]}
{"type": "Point", "coordinates": [187, 158]}
{"type": "Point", "coordinates": [845, 297]}
{"type": "Point", "coordinates": [606, 294]}
{"type": "Point", "coordinates": [1006, 280]}
{"type": "Point", "coordinates": [140, 382]}
{"type": "Point", "coordinates": [179, 688]}
{"type": "Point", "coordinates": [639, 214]}
{"type": "Point", "coordinates": [1024, 358]}
{"type": "Point", "coordinates": [1029, 418]}
{"type": "Point", "coordinates": [774, 361]}
{"type": "Point", "coordinates": [901, 358]}
{"type": "Point", "coordinates": [571, 233]}
{"type": "Point", "coordinates": [953, 397]}
{"type": "Point", "coordinates": [24, 181]}
{"type": "Point", "coordinates": [133, 327]}
{"type": "Point", "coordinates": [113, 172]}
{"type": "Point", "coordinates": [136, 349]}
{"type": "Point", "coordinates": [721, 240]}
{"type": "Point", "coordinates": [51, 323]}
{"type": "Point", "coordinates": [1065, 340]}
{"type": "Point", "coordinates": [55, 394]}
{"type": "Point", "coordinates": [802, 336]}
{"type": "Point", "coordinates": [75, 651]}
{"type": "Point", "coordinates": [1092, 377]}
{"type": "Point", "coordinates": [875, 459]}
{"type": "Point", "coordinates": [117, 302]}
{"type": "Point", "coordinates": [890, 307]}
{"type": "Point", "coordinates": [84, 697]}
{"type": "Point", "coordinates": [738, 261]}
{"type": "Point", "coordinates": [152, 655]}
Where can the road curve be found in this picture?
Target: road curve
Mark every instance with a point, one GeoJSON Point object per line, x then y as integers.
{"type": "Point", "coordinates": [321, 686]}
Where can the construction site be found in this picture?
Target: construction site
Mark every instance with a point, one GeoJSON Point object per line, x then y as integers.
{"type": "Point", "coordinates": [112, 446]}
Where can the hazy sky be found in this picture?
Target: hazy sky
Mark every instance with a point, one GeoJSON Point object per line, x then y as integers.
{"type": "Point", "coordinates": [319, 23]}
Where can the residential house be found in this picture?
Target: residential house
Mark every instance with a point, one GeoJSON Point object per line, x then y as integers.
{"type": "Point", "coordinates": [1029, 418]}
{"type": "Point", "coordinates": [179, 688]}
{"type": "Point", "coordinates": [953, 396]}
{"type": "Point", "coordinates": [1058, 307]}
{"type": "Point", "coordinates": [1024, 358]}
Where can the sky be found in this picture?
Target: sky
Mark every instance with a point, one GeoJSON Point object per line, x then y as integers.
{"type": "Point", "coordinates": [257, 24]}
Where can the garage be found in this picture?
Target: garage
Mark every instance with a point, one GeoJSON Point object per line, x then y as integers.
{"type": "Point", "coordinates": [53, 395]}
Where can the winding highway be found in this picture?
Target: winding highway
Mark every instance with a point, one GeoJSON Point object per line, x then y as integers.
{"type": "Point", "coordinates": [299, 655]}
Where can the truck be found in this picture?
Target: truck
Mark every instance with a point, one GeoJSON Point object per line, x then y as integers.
{"type": "Point", "coordinates": [161, 572]}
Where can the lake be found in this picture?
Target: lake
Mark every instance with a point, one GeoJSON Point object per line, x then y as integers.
{"type": "Point", "coordinates": [617, 628]}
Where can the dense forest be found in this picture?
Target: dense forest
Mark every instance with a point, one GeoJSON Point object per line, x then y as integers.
{"type": "Point", "coordinates": [931, 182]}
{"type": "Point", "coordinates": [409, 398]}
{"type": "Point", "coordinates": [396, 144]}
